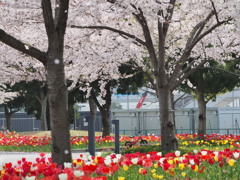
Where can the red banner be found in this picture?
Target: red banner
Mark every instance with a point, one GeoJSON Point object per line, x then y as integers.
{"type": "Point", "coordinates": [139, 105]}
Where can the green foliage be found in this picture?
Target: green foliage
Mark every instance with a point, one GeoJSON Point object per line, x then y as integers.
{"type": "Point", "coordinates": [131, 84]}
{"type": "Point", "coordinates": [150, 148]}
{"type": "Point", "coordinates": [214, 80]}
{"type": "Point", "coordinates": [74, 96]}
{"type": "Point", "coordinates": [142, 149]}
{"type": "Point", "coordinates": [33, 90]}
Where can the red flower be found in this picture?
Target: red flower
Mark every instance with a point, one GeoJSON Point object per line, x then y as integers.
{"type": "Point", "coordinates": [148, 163]}
{"type": "Point", "coordinates": [221, 164]}
{"type": "Point", "coordinates": [114, 168]}
{"type": "Point", "coordinates": [210, 161]}
{"type": "Point", "coordinates": [166, 166]}
{"type": "Point", "coordinates": [42, 154]}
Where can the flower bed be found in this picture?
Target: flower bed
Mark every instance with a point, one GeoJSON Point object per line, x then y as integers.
{"type": "Point", "coordinates": [204, 164]}
{"type": "Point", "coordinates": [215, 158]}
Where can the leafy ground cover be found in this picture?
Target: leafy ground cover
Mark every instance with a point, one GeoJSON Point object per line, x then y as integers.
{"type": "Point", "coordinates": [215, 158]}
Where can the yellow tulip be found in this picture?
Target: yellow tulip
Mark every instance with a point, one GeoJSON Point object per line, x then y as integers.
{"type": "Point", "coordinates": [160, 177]}
{"type": "Point", "coordinates": [121, 178]}
{"type": "Point", "coordinates": [231, 162]}
{"type": "Point", "coordinates": [125, 168]}
{"type": "Point", "coordinates": [196, 169]}
{"type": "Point", "coordinates": [181, 166]}
{"type": "Point", "coordinates": [155, 176]}
{"type": "Point", "coordinates": [170, 161]}
{"type": "Point", "coordinates": [140, 170]}
{"type": "Point", "coordinates": [183, 174]}
{"type": "Point", "coordinates": [153, 170]}
{"type": "Point", "coordinates": [155, 165]}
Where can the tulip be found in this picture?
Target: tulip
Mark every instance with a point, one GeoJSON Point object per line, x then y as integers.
{"type": "Point", "coordinates": [177, 153]}
{"type": "Point", "coordinates": [153, 171]}
{"type": "Point", "coordinates": [181, 166]}
{"type": "Point", "coordinates": [204, 153]}
{"type": "Point", "coordinates": [183, 174]}
{"type": "Point", "coordinates": [30, 177]}
{"type": "Point", "coordinates": [231, 162]}
{"type": "Point", "coordinates": [118, 156]}
{"type": "Point", "coordinates": [67, 165]}
{"type": "Point", "coordinates": [236, 155]}
{"type": "Point", "coordinates": [216, 153]}
{"type": "Point", "coordinates": [192, 161]}
{"type": "Point", "coordinates": [125, 168]}
{"type": "Point", "coordinates": [107, 161]}
{"type": "Point", "coordinates": [134, 160]}
{"type": "Point", "coordinates": [98, 154]}
{"type": "Point", "coordinates": [78, 173]}
{"type": "Point", "coordinates": [142, 171]}
{"type": "Point", "coordinates": [62, 176]}
{"type": "Point", "coordinates": [195, 151]}
{"type": "Point", "coordinates": [121, 178]}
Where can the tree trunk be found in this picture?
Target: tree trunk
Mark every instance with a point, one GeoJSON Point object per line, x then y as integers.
{"type": "Point", "coordinates": [93, 107]}
{"type": "Point", "coordinates": [8, 116]}
{"type": "Point", "coordinates": [104, 109]}
{"type": "Point", "coordinates": [201, 115]}
{"type": "Point", "coordinates": [57, 89]}
{"type": "Point", "coordinates": [43, 102]}
{"type": "Point", "coordinates": [168, 137]}
{"type": "Point", "coordinates": [105, 121]}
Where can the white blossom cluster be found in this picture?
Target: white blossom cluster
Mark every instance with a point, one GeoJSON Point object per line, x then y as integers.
{"type": "Point", "coordinates": [93, 54]}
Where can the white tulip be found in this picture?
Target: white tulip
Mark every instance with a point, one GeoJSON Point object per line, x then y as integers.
{"type": "Point", "coordinates": [134, 160]}
{"type": "Point", "coordinates": [78, 173]}
{"type": "Point", "coordinates": [67, 165]}
{"type": "Point", "coordinates": [204, 153]}
{"type": "Point", "coordinates": [62, 176]}
{"type": "Point", "coordinates": [195, 151]}
{"type": "Point", "coordinates": [192, 161]}
{"type": "Point", "coordinates": [236, 155]}
{"type": "Point", "coordinates": [177, 153]}
{"type": "Point", "coordinates": [30, 177]}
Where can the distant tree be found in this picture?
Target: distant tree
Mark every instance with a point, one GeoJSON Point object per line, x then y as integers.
{"type": "Point", "coordinates": [206, 84]}
{"type": "Point", "coordinates": [14, 105]}
{"type": "Point", "coordinates": [123, 85]}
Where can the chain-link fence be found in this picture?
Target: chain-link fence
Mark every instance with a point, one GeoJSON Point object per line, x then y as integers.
{"type": "Point", "coordinates": [21, 122]}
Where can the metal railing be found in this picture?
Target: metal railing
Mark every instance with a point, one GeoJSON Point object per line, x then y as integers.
{"type": "Point", "coordinates": [157, 132]}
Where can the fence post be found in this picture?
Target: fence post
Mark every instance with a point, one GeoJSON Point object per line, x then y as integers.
{"type": "Point", "coordinates": [33, 123]}
{"type": "Point", "coordinates": [91, 135]}
{"type": "Point", "coordinates": [117, 147]}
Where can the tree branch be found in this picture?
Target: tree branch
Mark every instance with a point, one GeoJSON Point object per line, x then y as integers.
{"type": "Point", "coordinates": [61, 16]}
{"type": "Point", "coordinates": [191, 71]}
{"type": "Point", "coordinates": [48, 17]}
{"type": "Point", "coordinates": [195, 33]}
{"type": "Point", "coordinates": [113, 30]}
{"type": "Point", "coordinates": [149, 43]}
{"type": "Point", "coordinates": [24, 48]}
{"type": "Point", "coordinates": [169, 11]}
{"type": "Point", "coordinates": [194, 38]}
{"type": "Point", "coordinates": [215, 11]}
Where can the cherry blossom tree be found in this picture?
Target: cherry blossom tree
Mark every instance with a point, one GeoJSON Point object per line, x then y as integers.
{"type": "Point", "coordinates": [22, 28]}
{"type": "Point", "coordinates": [166, 32]}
